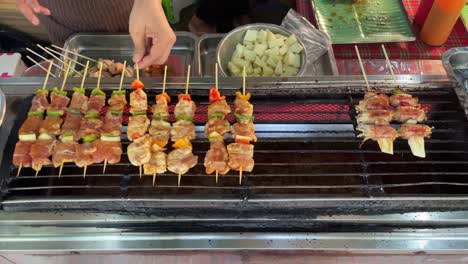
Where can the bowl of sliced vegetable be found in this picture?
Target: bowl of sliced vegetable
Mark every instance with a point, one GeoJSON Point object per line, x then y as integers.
{"type": "Point", "coordinates": [265, 50]}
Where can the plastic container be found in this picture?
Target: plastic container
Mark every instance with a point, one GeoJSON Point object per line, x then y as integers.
{"type": "Point", "coordinates": [440, 21]}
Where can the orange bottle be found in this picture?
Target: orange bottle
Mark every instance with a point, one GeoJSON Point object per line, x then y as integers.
{"type": "Point", "coordinates": [440, 21]}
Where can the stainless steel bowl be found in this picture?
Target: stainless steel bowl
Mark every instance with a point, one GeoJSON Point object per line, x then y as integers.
{"type": "Point", "coordinates": [228, 44]}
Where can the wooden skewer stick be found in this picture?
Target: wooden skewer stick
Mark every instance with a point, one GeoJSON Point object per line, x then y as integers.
{"type": "Point", "coordinates": [65, 56]}
{"type": "Point", "coordinates": [362, 68]}
{"type": "Point", "coordinates": [216, 87]}
{"type": "Point", "coordinates": [60, 170]}
{"type": "Point", "coordinates": [19, 169]}
{"type": "Point", "coordinates": [47, 75]}
{"type": "Point", "coordinates": [139, 167]}
{"type": "Point", "coordinates": [65, 77]}
{"type": "Point", "coordinates": [188, 80]}
{"type": "Point", "coordinates": [137, 71]}
{"type": "Point", "coordinates": [104, 167]}
{"type": "Point", "coordinates": [243, 81]}
{"type": "Point", "coordinates": [216, 76]}
{"type": "Point", "coordinates": [84, 75]}
{"type": "Point", "coordinates": [123, 75]}
{"type": "Point", "coordinates": [99, 76]}
{"type": "Point", "coordinates": [84, 171]}
{"type": "Point", "coordinates": [53, 56]}
{"type": "Point", "coordinates": [164, 79]}
{"type": "Point", "coordinates": [39, 65]}
{"type": "Point", "coordinates": [179, 179]}
{"type": "Point", "coordinates": [44, 58]}
{"type": "Point", "coordinates": [243, 92]}
{"type": "Point", "coordinates": [240, 176]}
{"type": "Point", "coordinates": [74, 53]}
{"type": "Point", "coordinates": [154, 178]}
{"type": "Point", "coordinates": [389, 63]}
{"type": "Point", "coordinates": [37, 172]}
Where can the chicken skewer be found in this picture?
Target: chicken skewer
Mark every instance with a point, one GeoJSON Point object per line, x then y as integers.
{"type": "Point", "coordinates": [65, 150]}
{"type": "Point", "coordinates": [160, 132]}
{"type": "Point", "coordinates": [30, 128]}
{"type": "Point", "coordinates": [112, 128]}
{"type": "Point", "coordinates": [50, 128]}
{"type": "Point", "coordinates": [415, 135]}
{"type": "Point", "coordinates": [139, 150]}
{"type": "Point", "coordinates": [241, 152]}
{"type": "Point", "coordinates": [216, 159]}
{"type": "Point", "coordinates": [181, 159]}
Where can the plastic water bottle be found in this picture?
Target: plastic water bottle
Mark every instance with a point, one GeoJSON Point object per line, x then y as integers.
{"type": "Point", "coordinates": [440, 21]}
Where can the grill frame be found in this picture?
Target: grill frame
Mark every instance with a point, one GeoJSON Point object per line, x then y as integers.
{"type": "Point", "coordinates": [373, 203]}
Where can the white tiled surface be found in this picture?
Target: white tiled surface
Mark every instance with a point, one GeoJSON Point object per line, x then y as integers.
{"type": "Point", "coordinates": [225, 257]}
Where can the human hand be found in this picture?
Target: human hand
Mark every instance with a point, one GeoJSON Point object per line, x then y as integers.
{"type": "Point", "coordinates": [152, 35]}
{"type": "Point", "coordinates": [29, 7]}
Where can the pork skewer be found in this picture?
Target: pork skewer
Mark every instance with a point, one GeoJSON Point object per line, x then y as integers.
{"type": "Point", "coordinates": [90, 128]}
{"type": "Point", "coordinates": [65, 150]}
{"type": "Point", "coordinates": [112, 128]}
{"type": "Point", "coordinates": [409, 112]}
{"type": "Point", "coordinates": [30, 128]}
{"type": "Point", "coordinates": [42, 150]}
{"type": "Point", "coordinates": [216, 159]}
{"type": "Point", "coordinates": [181, 159]}
{"type": "Point", "coordinates": [160, 133]}
{"type": "Point", "coordinates": [241, 151]}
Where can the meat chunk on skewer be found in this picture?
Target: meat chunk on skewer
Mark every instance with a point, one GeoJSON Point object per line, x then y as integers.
{"type": "Point", "coordinates": [112, 125]}
{"type": "Point", "coordinates": [185, 109]}
{"type": "Point", "coordinates": [375, 117]}
{"type": "Point", "coordinates": [40, 153]}
{"type": "Point", "coordinates": [160, 109]}
{"type": "Point", "coordinates": [90, 127]}
{"type": "Point", "coordinates": [243, 108]}
{"type": "Point", "coordinates": [410, 114]}
{"type": "Point", "coordinates": [160, 132]}
{"type": "Point", "coordinates": [384, 135]}
{"type": "Point", "coordinates": [58, 101]}
{"type": "Point", "coordinates": [30, 128]}
{"type": "Point", "coordinates": [217, 158]}
{"type": "Point", "coordinates": [138, 101]}
{"type": "Point", "coordinates": [373, 101]}
{"type": "Point", "coordinates": [137, 126]}
{"type": "Point", "coordinates": [64, 152]}
{"type": "Point", "coordinates": [245, 130]}
{"type": "Point", "coordinates": [117, 101]}
{"type": "Point", "coordinates": [96, 103]}
{"type": "Point", "coordinates": [403, 99]}
{"type": "Point", "coordinates": [21, 155]}
{"type": "Point", "coordinates": [71, 127]}
{"type": "Point", "coordinates": [241, 156]}
{"type": "Point", "coordinates": [219, 107]}
{"type": "Point", "coordinates": [79, 101]}
{"type": "Point", "coordinates": [107, 150]}
{"type": "Point", "coordinates": [415, 135]}
{"type": "Point", "coordinates": [84, 154]}
{"type": "Point", "coordinates": [51, 125]}
{"type": "Point", "coordinates": [139, 151]}
{"type": "Point", "coordinates": [183, 129]}
{"type": "Point", "coordinates": [181, 160]}
{"type": "Point", "coordinates": [157, 163]}
{"type": "Point", "coordinates": [39, 102]}
{"type": "Point", "coordinates": [218, 125]}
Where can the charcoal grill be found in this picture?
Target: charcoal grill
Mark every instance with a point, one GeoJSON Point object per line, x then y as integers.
{"type": "Point", "coordinates": [310, 173]}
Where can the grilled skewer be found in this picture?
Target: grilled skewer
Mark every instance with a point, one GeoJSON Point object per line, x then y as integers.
{"type": "Point", "coordinates": [216, 159]}
{"type": "Point", "coordinates": [384, 135]}
{"type": "Point", "coordinates": [181, 159]}
{"type": "Point", "coordinates": [415, 135]}
{"type": "Point", "coordinates": [30, 128]}
{"type": "Point", "coordinates": [241, 152]}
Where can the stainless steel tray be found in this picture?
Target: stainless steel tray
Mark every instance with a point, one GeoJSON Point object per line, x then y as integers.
{"type": "Point", "coordinates": [456, 65]}
{"type": "Point", "coordinates": [120, 48]}
{"type": "Point", "coordinates": [206, 48]}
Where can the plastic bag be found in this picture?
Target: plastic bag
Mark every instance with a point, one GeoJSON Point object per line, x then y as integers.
{"type": "Point", "coordinates": [316, 42]}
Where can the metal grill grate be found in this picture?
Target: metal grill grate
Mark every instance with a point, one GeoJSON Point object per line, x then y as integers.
{"type": "Point", "coordinates": [307, 148]}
